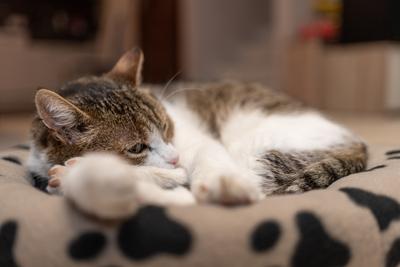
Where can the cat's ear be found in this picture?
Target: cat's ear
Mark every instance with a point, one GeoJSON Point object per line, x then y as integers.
{"type": "Point", "coordinates": [129, 67]}
{"type": "Point", "coordinates": [62, 117]}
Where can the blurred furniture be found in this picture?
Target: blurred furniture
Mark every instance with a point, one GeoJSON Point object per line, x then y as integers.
{"type": "Point", "coordinates": [159, 39]}
{"type": "Point", "coordinates": [372, 20]}
{"type": "Point", "coordinates": [359, 77]}
{"type": "Point", "coordinates": [25, 67]}
{"type": "Point", "coordinates": [46, 52]}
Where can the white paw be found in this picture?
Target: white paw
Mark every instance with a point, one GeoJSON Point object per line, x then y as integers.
{"type": "Point", "coordinates": [167, 178]}
{"type": "Point", "coordinates": [100, 184]}
{"type": "Point", "coordinates": [56, 174]}
{"type": "Point", "coordinates": [226, 190]}
{"type": "Point", "coordinates": [183, 196]}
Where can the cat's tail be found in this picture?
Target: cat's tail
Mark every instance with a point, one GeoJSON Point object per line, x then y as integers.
{"type": "Point", "coordinates": [302, 171]}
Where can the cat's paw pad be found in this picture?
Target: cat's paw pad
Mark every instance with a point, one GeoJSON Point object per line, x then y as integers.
{"type": "Point", "coordinates": [100, 184]}
{"type": "Point", "coordinates": [226, 190]}
{"type": "Point", "coordinates": [56, 173]}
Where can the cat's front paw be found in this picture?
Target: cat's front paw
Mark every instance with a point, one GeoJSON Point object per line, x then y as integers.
{"type": "Point", "coordinates": [226, 190]}
{"type": "Point", "coordinates": [54, 183]}
{"type": "Point", "coordinates": [99, 184]}
{"type": "Point", "coordinates": [56, 174]}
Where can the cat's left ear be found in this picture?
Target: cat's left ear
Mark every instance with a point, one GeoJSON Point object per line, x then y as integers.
{"type": "Point", "coordinates": [63, 118]}
{"type": "Point", "coordinates": [129, 67]}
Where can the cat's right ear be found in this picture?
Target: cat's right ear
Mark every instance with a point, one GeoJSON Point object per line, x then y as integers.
{"type": "Point", "coordinates": [129, 67]}
{"type": "Point", "coordinates": [59, 115]}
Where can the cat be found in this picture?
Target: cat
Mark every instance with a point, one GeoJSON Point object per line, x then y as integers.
{"type": "Point", "coordinates": [228, 143]}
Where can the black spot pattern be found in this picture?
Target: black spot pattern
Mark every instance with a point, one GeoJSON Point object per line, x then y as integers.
{"type": "Point", "coordinates": [384, 209]}
{"type": "Point", "coordinates": [8, 233]}
{"type": "Point", "coordinates": [393, 256]}
{"type": "Point", "coordinates": [39, 182]}
{"type": "Point", "coordinates": [375, 168]}
{"type": "Point", "coordinates": [315, 247]}
{"type": "Point", "coordinates": [265, 236]}
{"type": "Point", "coordinates": [22, 146]}
{"type": "Point", "coordinates": [150, 232]}
{"type": "Point", "coordinates": [392, 152]}
{"type": "Point", "coordinates": [12, 159]}
{"type": "Point", "coordinates": [87, 246]}
{"type": "Point", "coordinates": [393, 157]}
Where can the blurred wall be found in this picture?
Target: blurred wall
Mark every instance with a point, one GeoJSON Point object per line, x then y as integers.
{"type": "Point", "coordinates": [212, 31]}
{"type": "Point", "coordinates": [239, 39]}
{"type": "Point", "coordinates": [29, 63]}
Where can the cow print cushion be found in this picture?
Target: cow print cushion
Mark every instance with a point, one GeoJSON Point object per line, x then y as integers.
{"type": "Point", "coordinates": [12, 159]}
{"type": "Point", "coordinates": [393, 256]}
{"type": "Point", "coordinates": [8, 234]}
{"type": "Point", "coordinates": [316, 247]}
{"type": "Point", "coordinates": [298, 232]}
{"type": "Point", "coordinates": [384, 209]}
{"type": "Point", "coordinates": [150, 232]}
{"type": "Point", "coordinates": [87, 246]}
{"type": "Point", "coordinates": [265, 236]}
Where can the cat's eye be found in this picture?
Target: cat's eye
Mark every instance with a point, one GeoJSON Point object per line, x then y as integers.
{"type": "Point", "coordinates": [138, 148]}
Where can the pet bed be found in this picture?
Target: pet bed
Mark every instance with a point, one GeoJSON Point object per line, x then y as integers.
{"type": "Point", "coordinates": [355, 222]}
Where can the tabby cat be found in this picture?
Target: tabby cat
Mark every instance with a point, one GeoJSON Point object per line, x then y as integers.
{"type": "Point", "coordinates": [228, 143]}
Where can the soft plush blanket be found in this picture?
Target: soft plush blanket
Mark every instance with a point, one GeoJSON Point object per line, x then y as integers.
{"type": "Point", "coordinates": [355, 222]}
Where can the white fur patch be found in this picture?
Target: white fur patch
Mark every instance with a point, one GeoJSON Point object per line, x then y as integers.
{"type": "Point", "coordinates": [190, 133]}
{"type": "Point", "coordinates": [248, 134]}
{"type": "Point", "coordinates": [37, 162]}
{"type": "Point", "coordinates": [285, 132]}
{"type": "Point", "coordinates": [214, 174]}
{"type": "Point", "coordinates": [161, 154]}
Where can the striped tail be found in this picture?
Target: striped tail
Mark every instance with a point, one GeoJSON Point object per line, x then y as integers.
{"type": "Point", "coordinates": [302, 171]}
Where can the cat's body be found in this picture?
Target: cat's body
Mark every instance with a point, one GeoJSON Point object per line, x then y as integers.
{"type": "Point", "coordinates": [236, 142]}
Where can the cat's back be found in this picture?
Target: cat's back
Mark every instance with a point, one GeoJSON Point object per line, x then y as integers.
{"type": "Point", "coordinates": [226, 95]}
{"type": "Point", "coordinates": [214, 103]}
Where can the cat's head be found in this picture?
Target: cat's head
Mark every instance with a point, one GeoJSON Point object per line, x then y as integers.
{"type": "Point", "coordinates": [106, 113]}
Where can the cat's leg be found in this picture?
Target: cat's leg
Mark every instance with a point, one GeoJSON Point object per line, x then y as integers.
{"type": "Point", "coordinates": [214, 175]}
{"type": "Point", "coordinates": [106, 186]}
{"type": "Point", "coordinates": [292, 152]}
{"type": "Point", "coordinates": [315, 169]}
{"type": "Point", "coordinates": [299, 171]}
{"type": "Point", "coordinates": [217, 178]}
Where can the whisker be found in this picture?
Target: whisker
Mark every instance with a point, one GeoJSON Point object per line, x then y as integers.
{"type": "Point", "coordinates": [168, 84]}
{"type": "Point", "coordinates": [180, 91]}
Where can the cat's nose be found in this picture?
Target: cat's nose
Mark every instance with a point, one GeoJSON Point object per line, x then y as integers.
{"type": "Point", "coordinates": [174, 160]}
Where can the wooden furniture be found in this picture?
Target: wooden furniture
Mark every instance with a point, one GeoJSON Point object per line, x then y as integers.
{"type": "Point", "coordinates": [27, 64]}
{"type": "Point", "coordinates": [359, 77]}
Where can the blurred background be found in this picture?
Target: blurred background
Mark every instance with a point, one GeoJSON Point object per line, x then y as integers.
{"type": "Point", "coordinates": [341, 56]}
